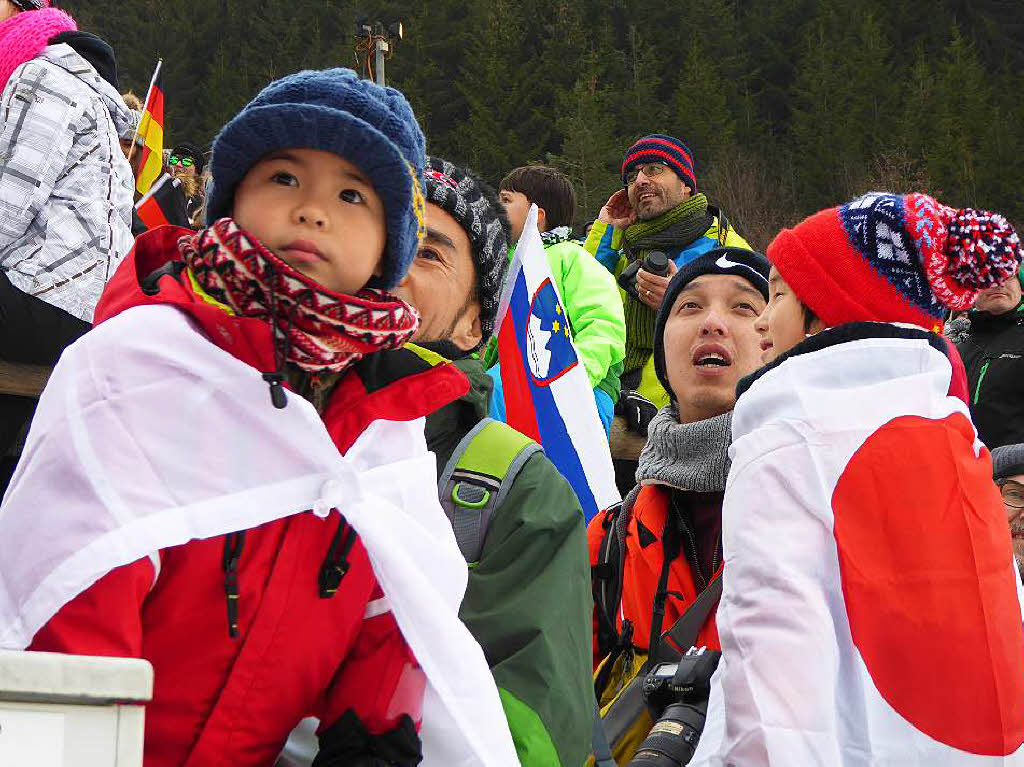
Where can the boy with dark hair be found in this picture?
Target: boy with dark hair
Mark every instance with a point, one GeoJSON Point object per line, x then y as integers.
{"type": "Point", "coordinates": [867, 546]}
{"type": "Point", "coordinates": [588, 291]}
{"type": "Point", "coordinates": [242, 497]}
{"type": "Point", "coordinates": [549, 188]}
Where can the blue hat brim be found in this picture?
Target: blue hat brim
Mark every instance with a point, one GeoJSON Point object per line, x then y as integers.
{"type": "Point", "coordinates": [254, 133]}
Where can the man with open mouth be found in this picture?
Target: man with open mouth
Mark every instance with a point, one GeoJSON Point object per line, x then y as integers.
{"type": "Point", "coordinates": [671, 522]}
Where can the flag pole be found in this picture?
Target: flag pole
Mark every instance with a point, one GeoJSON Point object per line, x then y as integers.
{"type": "Point", "coordinates": [145, 107]}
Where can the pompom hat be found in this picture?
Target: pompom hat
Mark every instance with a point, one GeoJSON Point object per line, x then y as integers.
{"type": "Point", "coordinates": [333, 110]}
{"type": "Point", "coordinates": [894, 258]}
{"type": "Point", "coordinates": [657, 147]}
{"type": "Point", "coordinates": [475, 206]}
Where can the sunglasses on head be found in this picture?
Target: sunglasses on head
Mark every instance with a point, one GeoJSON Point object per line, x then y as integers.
{"type": "Point", "coordinates": [186, 162]}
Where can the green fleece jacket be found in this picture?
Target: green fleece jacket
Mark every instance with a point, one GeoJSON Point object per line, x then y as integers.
{"type": "Point", "coordinates": [591, 298]}
{"type": "Point", "coordinates": [528, 602]}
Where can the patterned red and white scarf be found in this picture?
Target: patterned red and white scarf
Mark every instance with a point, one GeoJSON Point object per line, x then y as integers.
{"type": "Point", "coordinates": [315, 329]}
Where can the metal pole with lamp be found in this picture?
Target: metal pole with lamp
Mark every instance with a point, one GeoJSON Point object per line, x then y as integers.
{"type": "Point", "coordinates": [373, 38]}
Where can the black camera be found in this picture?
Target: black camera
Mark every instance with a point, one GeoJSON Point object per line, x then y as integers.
{"type": "Point", "coordinates": [677, 695]}
{"type": "Point", "coordinates": [655, 262]}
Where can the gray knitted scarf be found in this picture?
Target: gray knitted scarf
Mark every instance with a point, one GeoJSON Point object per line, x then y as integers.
{"type": "Point", "coordinates": [686, 456]}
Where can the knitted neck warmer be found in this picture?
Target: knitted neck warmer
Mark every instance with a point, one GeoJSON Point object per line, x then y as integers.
{"type": "Point", "coordinates": [24, 35]}
{"type": "Point", "coordinates": [686, 456]}
{"type": "Point", "coordinates": [315, 329]}
{"type": "Point", "coordinates": [672, 230]}
{"type": "Point", "coordinates": [669, 232]}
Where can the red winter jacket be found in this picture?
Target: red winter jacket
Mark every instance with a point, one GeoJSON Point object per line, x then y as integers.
{"type": "Point", "coordinates": [641, 570]}
{"type": "Point", "coordinates": [232, 701]}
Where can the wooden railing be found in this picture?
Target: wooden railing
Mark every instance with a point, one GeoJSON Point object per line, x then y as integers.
{"type": "Point", "coordinates": [23, 380]}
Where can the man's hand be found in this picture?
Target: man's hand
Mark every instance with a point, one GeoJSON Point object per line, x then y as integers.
{"type": "Point", "coordinates": [617, 211]}
{"type": "Point", "coordinates": [651, 287]}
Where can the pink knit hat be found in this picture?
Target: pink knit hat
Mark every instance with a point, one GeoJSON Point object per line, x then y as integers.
{"type": "Point", "coordinates": [24, 35]}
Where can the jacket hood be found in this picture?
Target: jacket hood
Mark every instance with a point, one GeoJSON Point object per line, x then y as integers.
{"type": "Point", "coordinates": [94, 50]}
{"type": "Point", "coordinates": [64, 52]}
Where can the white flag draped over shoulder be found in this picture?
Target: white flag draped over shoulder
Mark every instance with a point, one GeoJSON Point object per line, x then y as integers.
{"type": "Point", "coordinates": [148, 436]}
{"type": "Point", "coordinates": [871, 608]}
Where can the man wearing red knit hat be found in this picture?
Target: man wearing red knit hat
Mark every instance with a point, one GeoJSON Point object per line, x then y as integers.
{"type": "Point", "coordinates": [658, 211]}
{"type": "Point", "coordinates": [871, 607]}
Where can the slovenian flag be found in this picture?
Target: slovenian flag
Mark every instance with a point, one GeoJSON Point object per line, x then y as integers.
{"type": "Point", "coordinates": [547, 393]}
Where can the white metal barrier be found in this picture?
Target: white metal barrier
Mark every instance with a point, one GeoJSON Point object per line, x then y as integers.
{"type": "Point", "coordinates": [72, 710]}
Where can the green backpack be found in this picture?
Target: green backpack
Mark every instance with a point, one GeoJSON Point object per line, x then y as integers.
{"type": "Point", "coordinates": [477, 478]}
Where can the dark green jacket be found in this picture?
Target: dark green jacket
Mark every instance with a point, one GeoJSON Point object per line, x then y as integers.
{"type": "Point", "coordinates": [528, 603]}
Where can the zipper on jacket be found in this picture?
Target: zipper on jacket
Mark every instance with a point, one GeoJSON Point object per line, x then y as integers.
{"type": "Point", "coordinates": [981, 377]}
{"type": "Point", "coordinates": [229, 562]}
{"type": "Point", "coordinates": [336, 564]}
{"type": "Point", "coordinates": [694, 555]}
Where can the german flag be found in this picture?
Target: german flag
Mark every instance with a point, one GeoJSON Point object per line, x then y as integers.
{"type": "Point", "coordinates": [163, 204]}
{"type": "Point", "coordinates": [151, 131]}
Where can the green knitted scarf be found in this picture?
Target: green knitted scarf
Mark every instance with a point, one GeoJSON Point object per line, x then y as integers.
{"type": "Point", "coordinates": [670, 232]}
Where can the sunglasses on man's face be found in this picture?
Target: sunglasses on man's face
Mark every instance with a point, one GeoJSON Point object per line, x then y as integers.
{"type": "Point", "coordinates": [29, 5]}
{"type": "Point", "coordinates": [185, 162]}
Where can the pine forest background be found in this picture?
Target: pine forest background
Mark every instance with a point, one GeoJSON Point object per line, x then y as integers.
{"type": "Point", "coordinates": [789, 105]}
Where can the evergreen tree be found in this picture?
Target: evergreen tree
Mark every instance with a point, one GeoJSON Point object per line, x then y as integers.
{"type": "Point", "coordinates": [963, 115]}
{"type": "Point", "coordinates": [591, 147]}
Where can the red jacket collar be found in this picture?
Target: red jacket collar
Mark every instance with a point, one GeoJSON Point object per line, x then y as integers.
{"type": "Point", "coordinates": [356, 403]}
{"type": "Point", "coordinates": [242, 337]}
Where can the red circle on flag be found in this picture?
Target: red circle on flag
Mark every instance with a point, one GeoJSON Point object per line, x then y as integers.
{"type": "Point", "coordinates": [925, 560]}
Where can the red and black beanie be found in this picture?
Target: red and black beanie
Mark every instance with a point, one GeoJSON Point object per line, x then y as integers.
{"type": "Point", "coordinates": [894, 258]}
{"type": "Point", "coordinates": [657, 147]}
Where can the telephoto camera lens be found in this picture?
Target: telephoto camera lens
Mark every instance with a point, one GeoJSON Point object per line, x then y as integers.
{"type": "Point", "coordinates": [673, 739]}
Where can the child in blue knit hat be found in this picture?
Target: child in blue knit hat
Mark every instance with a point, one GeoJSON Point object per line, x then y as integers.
{"type": "Point", "coordinates": [224, 481]}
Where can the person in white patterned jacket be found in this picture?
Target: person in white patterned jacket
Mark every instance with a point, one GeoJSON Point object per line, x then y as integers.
{"type": "Point", "coordinates": [65, 190]}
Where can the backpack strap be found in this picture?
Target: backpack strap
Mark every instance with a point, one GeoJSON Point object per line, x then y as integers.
{"type": "Point", "coordinates": [723, 224]}
{"type": "Point", "coordinates": [477, 478]}
{"type": "Point", "coordinates": [606, 574]}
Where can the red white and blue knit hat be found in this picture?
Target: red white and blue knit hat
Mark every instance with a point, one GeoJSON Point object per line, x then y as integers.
{"type": "Point", "coordinates": [894, 258]}
{"type": "Point", "coordinates": [657, 147]}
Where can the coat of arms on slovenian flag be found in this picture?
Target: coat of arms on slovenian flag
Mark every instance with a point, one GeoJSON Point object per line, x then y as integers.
{"type": "Point", "coordinates": [547, 394]}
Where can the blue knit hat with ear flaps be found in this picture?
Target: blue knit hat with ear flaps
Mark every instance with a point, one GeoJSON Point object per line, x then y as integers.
{"type": "Point", "coordinates": [333, 110]}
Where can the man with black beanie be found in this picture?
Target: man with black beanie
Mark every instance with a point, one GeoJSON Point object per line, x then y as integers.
{"type": "Point", "coordinates": [669, 528]}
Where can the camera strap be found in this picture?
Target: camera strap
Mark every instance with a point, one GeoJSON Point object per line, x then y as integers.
{"type": "Point", "coordinates": [678, 639]}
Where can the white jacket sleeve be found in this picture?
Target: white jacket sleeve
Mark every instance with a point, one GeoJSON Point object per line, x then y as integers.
{"type": "Point", "coordinates": [36, 136]}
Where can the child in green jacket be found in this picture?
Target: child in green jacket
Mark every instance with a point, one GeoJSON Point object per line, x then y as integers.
{"type": "Point", "coordinates": [588, 290]}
